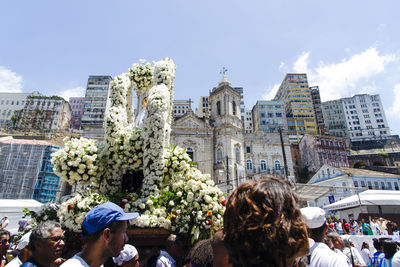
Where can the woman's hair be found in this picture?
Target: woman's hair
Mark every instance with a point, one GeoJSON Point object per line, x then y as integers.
{"type": "Point", "coordinates": [364, 245]}
{"type": "Point", "coordinates": [263, 225]}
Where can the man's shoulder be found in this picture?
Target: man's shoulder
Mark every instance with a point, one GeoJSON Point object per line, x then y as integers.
{"type": "Point", "coordinates": [396, 259]}
{"type": "Point", "coordinates": [322, 255]}
{"type": "Point", "coordinates": [76, 260]}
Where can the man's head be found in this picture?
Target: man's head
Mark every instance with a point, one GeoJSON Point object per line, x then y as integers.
{"type": "Point", "coordinates": [174, 247]}
{"type": "Point", "coordinates": [105, 225]}
{"type": "Point", "coordinates": [315, 219]}
{"type": "Point", "coordinates": [337, 240]}
{"type": "Point", "coordinates": [47, 241]}
{"type": "Point", "coordinates": [4, 242]}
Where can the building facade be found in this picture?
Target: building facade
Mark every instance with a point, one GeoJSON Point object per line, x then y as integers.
{"type": "Point", "coordinates": [296, 95]}
{"type": "Point", "coordinates": [264, 156]}
{"type": "Point", "coordinates": [248, 121]}
{"type": "Point", "coordinates": [9, 103]}
{"type": "Point", "coordinates": [181, 107]}
{"type": "Point", "coordinates": [349, 181]}
{"type": "Point", "coordinates": [47, 187]}
{"type": "Point", "coordinates": [95, 106]}
{"type": "Point", "coordinates": [319, 116]}
{"type": "Point", "coordinates": [26, 171]}
{"type": "Point", "coordinates": [317, 150]}
{"type": "Point", "coordinates": [218, 143]}
{"type": "Point", "coordinates": [204, 109]}
{"type": "Point", "coordinates": [76, 104]}
{"type": "Point", "coordinates": [366, 118]}
{"type": "Point", "coordinates": [269, 116]}
{"type": "Point", "coordinates": [335, 119]}
{"type": "Point", "coordinates": [44, 114]}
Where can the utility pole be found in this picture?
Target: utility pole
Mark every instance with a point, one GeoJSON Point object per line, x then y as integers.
{"type": "Point", "coordinates": [227, 171]}
{"type": "Point", "coordinates": [283, 152]}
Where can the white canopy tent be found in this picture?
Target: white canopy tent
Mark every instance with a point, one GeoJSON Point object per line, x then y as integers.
{"type": "Point", "coordinates": [367, 198]}
{"type": "Point", "coordinates": [13, 209]}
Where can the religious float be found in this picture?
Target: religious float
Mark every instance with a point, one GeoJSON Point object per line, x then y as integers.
{"type": "Point", "coordinates": [137, 168]}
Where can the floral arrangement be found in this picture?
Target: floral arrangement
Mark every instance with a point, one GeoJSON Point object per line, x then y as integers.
{"type": "Point", "coordinates": [155, 130]}
{"type": "Point", "coordinates": [47, 212]}
{"type": "Point", "coordinates": [142, 76]}
{"type": "Point", "coordinates": [176, 161]}
{"type": "Point", "coordinates": [190, 204]}
{"type": "Point", "coordinates": [174, 195]}
{"type": "Point", "coordinates": [72, 212]}
{"type": "Point", "coordinates": [77, 161]}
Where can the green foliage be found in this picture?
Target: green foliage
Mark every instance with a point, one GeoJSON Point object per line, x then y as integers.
{"type": "Point", "coordinates": [383, 154]}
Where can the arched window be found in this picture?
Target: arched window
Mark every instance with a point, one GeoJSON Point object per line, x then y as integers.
{"type": "Point", "coordinates": [219, 155]}
{"type": "Point", "coordinates": [190, 152]}
{"type": "Point", "coordinates": [233, 107]}
{"type": "Point", "coordinates": [277, 165]}
{"type": "Point", "coordinates": [237, 155]}
{"type": "Point", "coordinates": [249, 165]}
{"type": "Point", "coordinates": [263, 165]}
{"type": "Point", "coordinates": [218, 108]}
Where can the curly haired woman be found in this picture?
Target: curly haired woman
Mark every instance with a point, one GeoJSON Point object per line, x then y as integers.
{"type": "Point", "coordinates": [263, 225]}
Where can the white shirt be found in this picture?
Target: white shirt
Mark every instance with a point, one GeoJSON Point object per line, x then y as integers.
{"type": "Point", "coordinates": [165, 260]}
{"type": "Point", "coordinates": [4, 223]}
{"type": "Point", "coordinates": [366, 255]}
{"type": "Point", "coordinates": [75, 261]}
{"type": "Point", "coordinates": [323, 256]}
{"type": "Point", "coordinates": [16, 262]}
{"type": "Point", "coordinates": [396, 259]}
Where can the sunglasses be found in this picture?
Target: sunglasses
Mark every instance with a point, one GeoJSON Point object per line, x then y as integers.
{"type": "Point", "coordinates": [56, 239]}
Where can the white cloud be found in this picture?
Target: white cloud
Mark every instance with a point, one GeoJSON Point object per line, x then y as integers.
{"type": "Point", "coordinates": [283, 67]}
{"type": "Point", "coordinates": [301, 64]}
{"type": "Point", "coordinates": [347, 77]}
{"type": "Point", "coordinates": [394, 110]}
{"type": "Point", "coordinates": [271, 92]}
{"type": "Point", "coordinates": [10, 82]}
{"type": "Point", "coordinates": [78, 91]}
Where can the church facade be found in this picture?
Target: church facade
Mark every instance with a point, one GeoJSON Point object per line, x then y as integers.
{"type": "Point", "coordinates": [220, 147]}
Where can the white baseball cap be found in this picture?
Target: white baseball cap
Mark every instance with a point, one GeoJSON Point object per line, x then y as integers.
{"type": "Point", "coordinates": [314, 217]}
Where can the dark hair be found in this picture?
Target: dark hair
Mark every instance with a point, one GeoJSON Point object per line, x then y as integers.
{"type": "Point", "coordinates": [263, 225]}
{"type": "Point", "coordinates": [389, 248]}
{"type": "Point", "coordinates": [41, 232]}
{"type": "Point", "coordinates": [92, 238]}
{"type": "Point", "coordinates": [4, 232]}
{"type": "Point", "coordinates": [377, 244]}
{"type": "Point", "coordinates": [201, 255]}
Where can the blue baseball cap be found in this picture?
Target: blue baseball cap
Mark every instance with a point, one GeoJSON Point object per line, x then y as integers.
{"type": "Point", "coordinates": [102, 215]}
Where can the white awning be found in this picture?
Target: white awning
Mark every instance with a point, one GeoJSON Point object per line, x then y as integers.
{"type": "Point", "coordinates": [312, 192]}
{"type": "Point", "coordinates": [368, 198]}
{"type": "Point", "coordinates": [16, 205]}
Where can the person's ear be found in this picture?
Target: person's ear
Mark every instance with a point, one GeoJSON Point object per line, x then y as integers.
{"type": "Point", "coordinates": [107, 234]}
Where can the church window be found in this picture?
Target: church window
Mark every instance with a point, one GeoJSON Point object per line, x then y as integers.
{"type": "Point", "coordinates": [190, 152]}
{"type": "Point", "coordinates": [219, 155]}
{"type": "Point", "coordinates": [218, 108]}
{"type": "Point", "coordinates": [263, 165]}
{"type": "Point", "coordinates": [237, 155]}
{"type": "Point", "coordinates": [248, 150]}
{"type": "Point", "coordinates": [277, 165]}
{"type": "Point", "coordinates": [233, 107]}
{"type": "Point", "coordinates": [249, 165]}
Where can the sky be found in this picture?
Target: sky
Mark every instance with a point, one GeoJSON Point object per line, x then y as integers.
{"type": "Point", "coordinates": [345, 47]}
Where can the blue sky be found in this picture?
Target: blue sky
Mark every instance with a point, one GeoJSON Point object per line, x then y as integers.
{"type": "Point", "coordinates": [345, 47]}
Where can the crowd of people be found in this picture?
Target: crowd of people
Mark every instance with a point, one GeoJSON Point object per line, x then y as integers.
{"type": "Point", "coordinates": [374, 226]}
{"type": "Point", "coordinates": [263, 226]}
